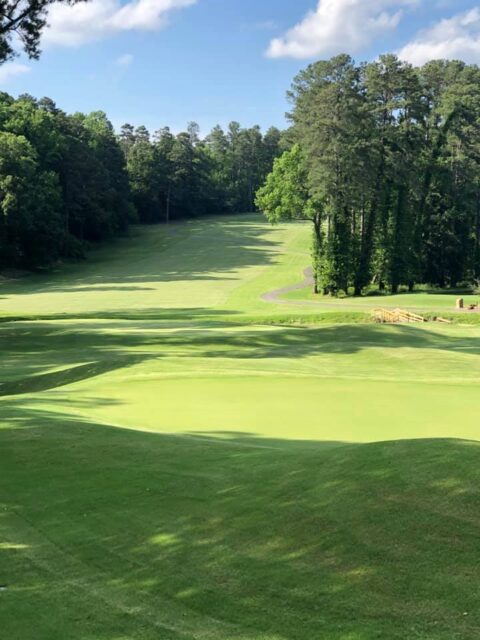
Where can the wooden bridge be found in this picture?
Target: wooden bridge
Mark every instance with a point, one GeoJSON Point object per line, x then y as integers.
{"type": "Point", "coordinates": [396, 316]}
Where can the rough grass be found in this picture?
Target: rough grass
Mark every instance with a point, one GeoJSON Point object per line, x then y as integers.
{"type": "Point", "coordinates": [270, 482]}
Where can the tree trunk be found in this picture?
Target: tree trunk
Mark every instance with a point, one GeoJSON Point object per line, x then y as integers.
{"type": "Point", "coordinates": [362, 276]}
{"type": "Point", "coordinates": [397, 265]}
{"type": "Point", "coordinates": [429, 172]}
{"type": "Point", "coordinates": [476, 266]}
{"type": "Point", "coordinates": [167, 213]}
{"type": "Point", "coordinates": [317, 227]}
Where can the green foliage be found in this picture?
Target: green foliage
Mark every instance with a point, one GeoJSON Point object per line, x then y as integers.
{"type": "Point", "coordinates": [30, 204]}
{"type": "Point", "coordinates": [285, 195]}
{"type": "Point", "coordinates": [24, 21]}
{"type": "Point", "coordinates": [185, 176]}
{"type": "Point", "coordinates": [62, 182]}
{"type": "Point", "coordinates": [391, 151]}
{"type": "Point", "coordinates": [69, 180]}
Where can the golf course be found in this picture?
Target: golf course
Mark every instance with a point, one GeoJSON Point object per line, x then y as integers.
{"type": "Point", "coordinates": [184, 457]}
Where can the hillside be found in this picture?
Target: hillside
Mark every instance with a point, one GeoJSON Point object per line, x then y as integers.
{"type": "Point", "coordinates": [179, 462]}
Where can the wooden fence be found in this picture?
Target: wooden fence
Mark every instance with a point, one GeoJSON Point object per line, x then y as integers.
{"type": "Point", "coordinates": [396, 315]}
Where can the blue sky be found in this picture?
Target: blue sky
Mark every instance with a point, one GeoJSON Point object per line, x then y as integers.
{"type": "Point", "coordinates": [166, 62]}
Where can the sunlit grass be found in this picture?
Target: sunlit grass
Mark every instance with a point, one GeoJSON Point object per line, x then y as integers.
{"type": "Point", "coordinates": [178, 462]}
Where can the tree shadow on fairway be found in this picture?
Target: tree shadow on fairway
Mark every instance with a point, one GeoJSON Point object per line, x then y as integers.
{"type": "Point", "coordinates": [38, 356]}
{"type": "Point", "coordinates": [237, 245]}
{"type": "Point", "coordinates": [333, 339]}
{"type": "Point", "coordinates": [224, 539]}
{"type": "Point", "coordinates": [82, 350]}
{"type": "Point", "coordinates": [206, 316]}
{"type": "Point", "coordinates": [64, 377]}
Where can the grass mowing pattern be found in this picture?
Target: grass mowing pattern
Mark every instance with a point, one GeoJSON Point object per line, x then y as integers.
{"type": "Point", "coordinates": [264, 514]}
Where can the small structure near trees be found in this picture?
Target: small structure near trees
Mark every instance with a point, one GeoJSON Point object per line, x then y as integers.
{"type": "Point", "coordinates": [397, 316]}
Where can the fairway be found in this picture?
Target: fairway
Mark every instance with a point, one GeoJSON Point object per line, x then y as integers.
{"type": "Point", "coordinates": [181, 458]}
{"type": "Point", "coordinates": [191, 266]}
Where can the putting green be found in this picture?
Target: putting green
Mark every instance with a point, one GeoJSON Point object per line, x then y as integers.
{"type": "Point", "coordinates": [346, 410]}
{"type": "Point", "coordinates": [346, 383]}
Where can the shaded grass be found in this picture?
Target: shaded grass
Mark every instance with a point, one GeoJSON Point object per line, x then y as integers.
{"type": "Point", "coordinates": [170, 274]}
{"type": "Point", "coordinates": [253, 519]}
{"type": "Point", "coordinates": [157, 268]}
{"type": "Point", "coordinates": [208, 317]}
{"type": "Point", "coordinates": [115, 534]}
{"type": "Point", "coordinates": [279, 381]}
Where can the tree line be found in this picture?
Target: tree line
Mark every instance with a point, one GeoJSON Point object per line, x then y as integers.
{"type": "Point", "coordinates": [70, 180]}
{"type": "Point", "coordinates": [184, 175]}
{"type": "Point", "coordinates": [384, 160]}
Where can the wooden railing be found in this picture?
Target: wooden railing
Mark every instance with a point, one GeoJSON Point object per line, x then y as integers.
{"type": "Point", "coordinates": [396, 315]}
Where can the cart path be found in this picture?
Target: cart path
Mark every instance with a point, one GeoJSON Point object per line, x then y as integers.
{"type": "Point", "coordinates": [308, 281]}
{"type": "Point", "coordinates": [275, 296]}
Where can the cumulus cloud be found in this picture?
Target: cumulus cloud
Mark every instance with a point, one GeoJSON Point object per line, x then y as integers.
{"type": "Point", "coordinates": [339, 25]}
{"type": "Point", "coordinates": [453, 38]}
{"type": "Point", "coordinates": [84, 22]}
{"type": "Point", "coordinates": [12, 69]}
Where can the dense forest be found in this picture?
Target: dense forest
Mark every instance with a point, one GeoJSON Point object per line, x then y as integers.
{"type": "Point", "coordinates": [69, 180]}
{"type": "Point", "coordinates": [183, 175]}
{"type": "Point", "coordinates": [384, 159]}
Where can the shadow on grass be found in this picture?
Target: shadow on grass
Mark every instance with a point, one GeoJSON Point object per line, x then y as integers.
{"type": "Point", "coordinates": [80, 350]}
{"type": "Point", "coordinates": [153, 258]}
{"type": "Point", "coordinates": [238, 538]}
{"type": "Point", "coordinates": [64, 377]}
{"type": "Point", "coordinates": [178, 315]}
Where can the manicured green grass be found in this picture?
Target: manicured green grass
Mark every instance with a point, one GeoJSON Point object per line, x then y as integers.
{"type": "Point", "coordinates": [186, 268]}
{"type": "Point", "coordinates": [421, 300]}
{"type": "Point", "coordinates": [116, 534]}
{"type": "Point", "coordinates": [366, 383]}
{"type": "Point", "coordinates": [178, 462]}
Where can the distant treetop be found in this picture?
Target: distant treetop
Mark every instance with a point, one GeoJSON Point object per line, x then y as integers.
{"type": "Point", "coordinates": [24, 20]}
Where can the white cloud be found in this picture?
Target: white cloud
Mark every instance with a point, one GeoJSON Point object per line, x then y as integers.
{"type": "Point", "coordinates": [94, 20]}
{"type": "Point", "coordinates": [453, 38]}
{"type": "Point", "coordinates": [12, 69]}
{"type": "Point", "coordinates": [339, 25]}
{"type": "Point", "coordinates": [125, 60]}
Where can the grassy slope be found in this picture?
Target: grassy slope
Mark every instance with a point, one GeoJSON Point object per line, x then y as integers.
{"type": "Point", "coordinates": [255, 520]}
{"type": "Point", "coordinates": [194, 266]}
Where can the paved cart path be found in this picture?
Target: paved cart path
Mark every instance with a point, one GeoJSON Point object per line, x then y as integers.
{"type": "Point", "coordinates": [275, 296]}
